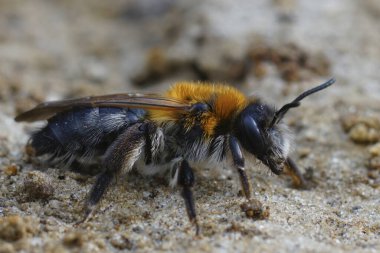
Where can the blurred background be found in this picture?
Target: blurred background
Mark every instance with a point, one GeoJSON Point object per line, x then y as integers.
{"type": "Point", "coordinates": [63, 48]}
{"type": "Point", "coordinates": [56, 49]}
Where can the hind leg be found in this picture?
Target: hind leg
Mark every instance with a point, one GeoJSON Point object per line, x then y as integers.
{"type": "Point", "coordinates": [122, 154]}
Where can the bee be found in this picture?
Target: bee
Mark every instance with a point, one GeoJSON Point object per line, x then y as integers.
{"type": "Point", "coordinates": [191, 125]}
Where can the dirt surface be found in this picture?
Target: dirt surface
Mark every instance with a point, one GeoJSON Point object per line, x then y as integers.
{"type": "Point", "coordinates": [274, 49]}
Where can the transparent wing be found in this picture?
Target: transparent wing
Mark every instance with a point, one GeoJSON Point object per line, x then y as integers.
{"type": "Point", "coordinates": [124, 100]}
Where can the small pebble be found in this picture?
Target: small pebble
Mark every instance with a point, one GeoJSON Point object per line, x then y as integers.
{"type": "Point", "coordinates": [37, 185]}
{"type": "Point", "coordinates": [362, 129]}
{"type": "Point", "coordinates": [11, 170]}
{"type": "Point", "coordinates": [14, 228]}
{"type": "Point", "coordinates": [121, 242]}
{"type": "Point", "coordinates": [73, 239]}
{"type": "Point", "coordinates": [374, 150]}
{"type": "Point", "coordinates": [374, 163]}
{"type": "Point", "coordinates": [362, 133]}
{"type": "Point", "coordinates": [254, 209]}
{"type": "Point", "coordinates": [374, 174]}
{"type": "Point", "coordinates": [303, 152]}
{"type": "Point", "coordinates": [7, 248]}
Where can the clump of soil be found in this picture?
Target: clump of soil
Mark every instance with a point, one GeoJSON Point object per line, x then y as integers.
{"type": "Point", "coordinates": [227, 63]}
{"type": "Point", "coordinates": [293, 63]}
{"type": "Point", "coordinates": [37, 186]}
{"type": "Point", "coordinates": [254, 209]}
{"type": "Point", "coordinates": [14, 228]}
{"type": "Point", "coordinates": [362, 129]}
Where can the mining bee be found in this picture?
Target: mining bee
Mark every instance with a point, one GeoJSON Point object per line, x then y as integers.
{"type": "Point", "coordinates": [191, 125]}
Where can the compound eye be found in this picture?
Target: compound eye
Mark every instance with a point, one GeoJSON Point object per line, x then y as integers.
{"type": "Point", "coordinates": [253, 135]}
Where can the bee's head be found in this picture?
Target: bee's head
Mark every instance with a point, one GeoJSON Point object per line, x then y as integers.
{"type": "Point", "coordinates": [258, 136]}
{"type": "Point", "coordinates": [260, 131]}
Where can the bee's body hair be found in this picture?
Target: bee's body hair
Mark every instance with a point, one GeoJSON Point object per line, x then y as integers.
{"type": "Point", "coordinates": [194, 125]}
{"type": "Point", "coordinates": [82, 136]}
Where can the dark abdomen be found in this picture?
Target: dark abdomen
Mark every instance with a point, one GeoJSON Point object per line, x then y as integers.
{"type": "Point", "coordinates": [82, 135]}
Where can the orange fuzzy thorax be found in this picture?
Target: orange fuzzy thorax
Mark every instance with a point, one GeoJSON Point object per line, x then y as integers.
{"type": "Point", "coordinates": [226, 102]}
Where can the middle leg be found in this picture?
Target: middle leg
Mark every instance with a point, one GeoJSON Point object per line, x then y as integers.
{"type": "Point", "coordinates": [182, 175]}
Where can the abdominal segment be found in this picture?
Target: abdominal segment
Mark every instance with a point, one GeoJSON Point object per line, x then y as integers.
{"type": "Point", "coordinates": [81, 136]}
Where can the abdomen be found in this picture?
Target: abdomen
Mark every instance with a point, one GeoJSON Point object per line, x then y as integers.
{"type": "Point", "coordinates": [82, 135]}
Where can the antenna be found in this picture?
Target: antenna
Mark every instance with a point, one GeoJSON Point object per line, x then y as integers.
{"type": "Point", "coordinates": [296, 102]}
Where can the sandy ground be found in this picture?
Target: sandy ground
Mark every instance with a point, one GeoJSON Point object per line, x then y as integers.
{"type": "Point", "coordinates": [275, 49]}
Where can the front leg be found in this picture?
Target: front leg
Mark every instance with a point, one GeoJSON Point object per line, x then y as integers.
{"type": "Point", "coordinates": [238, 162]}
{"type": "Point", "coordinates": [122, 154]}
{"type": "Point", "coordinates": [252, 208]}
{"type": "Point", "coordinates": [182, 175]}
{"type": "Point", "coordinates": [296, 175]}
